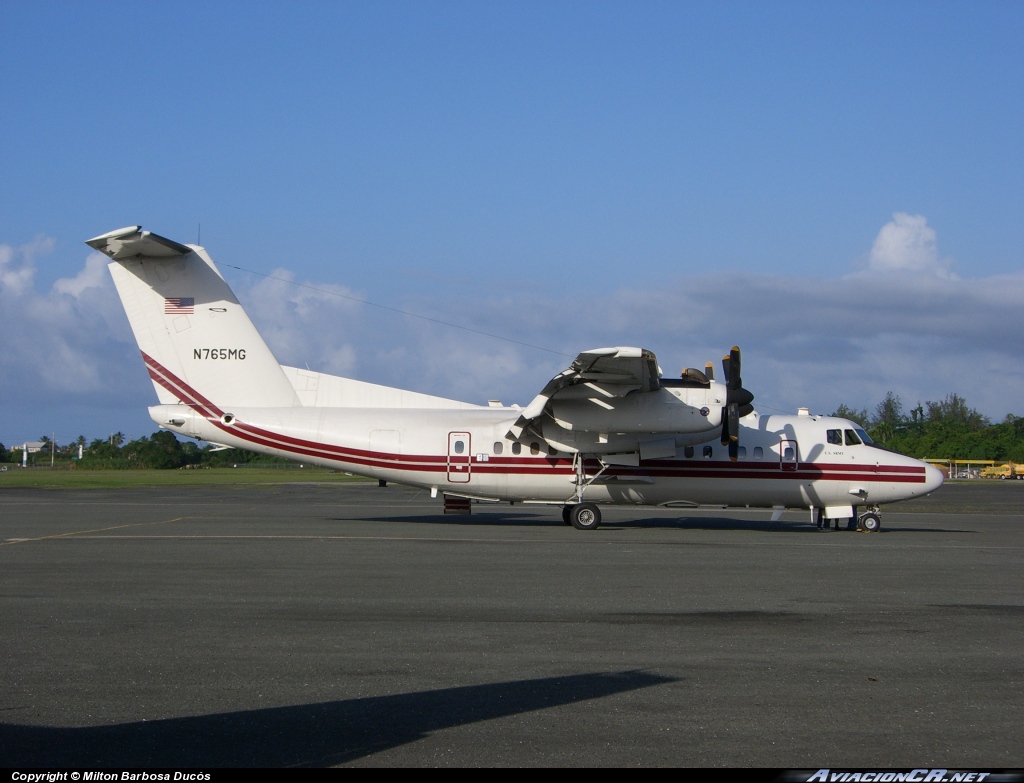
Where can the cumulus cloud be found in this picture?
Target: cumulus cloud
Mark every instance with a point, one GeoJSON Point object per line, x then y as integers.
{"type": "Point", "coordinates": [63, 348]}
{"type": "Point", "coordinates": [903, 325]}
{"type": "Point", "coordinates": [305, 323]}
{"type": "Point", "coordinates": [907, 325]}
{"type": "Point", "coordinates": [93, 276]}
{"type": "Point", "coordinates": [16, 268]}
{"type": "Point", "coordinates": [907, 244]}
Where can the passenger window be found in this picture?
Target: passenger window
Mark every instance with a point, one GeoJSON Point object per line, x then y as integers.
{"type": "Point", "coordinates": [835, 437]}
{"type": "Point", "coordinates": [707, 452]}
{"type": "Point", "coordinates": [743, 452]}
{"type": "Point", "coordinates": [459, 447]}
{"type": "Point", "coordinates": [552, 451]}
{"type": "Point", "coordinates": [788, 453]}
{"type": "Point", "coordinates": [851, 438]}
{"type": "Point", "coordinates": [688, 452]}
{"type": "Point", "coordinates": [758, 452]}
{"type": "Point", "coordinates": [498, 447]}
{"type": "Point", "coordinates": [517, 448]}
{"type": "Point", "coordinates": [535, 448]}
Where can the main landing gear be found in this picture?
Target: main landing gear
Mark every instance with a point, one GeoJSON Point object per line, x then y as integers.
{"type": "Point", "coordinates": [582, 516]}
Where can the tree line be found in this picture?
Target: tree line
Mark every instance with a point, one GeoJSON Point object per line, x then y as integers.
{"type": "Point", "coordinates": [161, 450]}
{"type": "Point", "coordinates": [943, 429]}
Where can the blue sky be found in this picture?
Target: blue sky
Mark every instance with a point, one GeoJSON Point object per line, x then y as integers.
{"type": "Point", "coordinates": [836, 187]}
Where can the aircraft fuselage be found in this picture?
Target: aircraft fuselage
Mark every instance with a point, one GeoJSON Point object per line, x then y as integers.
{"type": "Point", "coordinates": [784, 461]}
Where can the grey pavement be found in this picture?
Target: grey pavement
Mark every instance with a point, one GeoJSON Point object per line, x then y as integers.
{"type": "Point", "coordinates": [309, 625]}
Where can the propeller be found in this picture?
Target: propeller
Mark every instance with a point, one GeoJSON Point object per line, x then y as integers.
{"type": "Point", "coordinates": [737, 402]}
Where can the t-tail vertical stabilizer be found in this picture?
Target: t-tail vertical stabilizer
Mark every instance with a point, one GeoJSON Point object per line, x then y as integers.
{"type": "Point", "coordinates": [198, 343]}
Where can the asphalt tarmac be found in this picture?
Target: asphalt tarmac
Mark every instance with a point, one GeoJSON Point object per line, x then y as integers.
{"type": "Point", "coordinates": [306, 625]}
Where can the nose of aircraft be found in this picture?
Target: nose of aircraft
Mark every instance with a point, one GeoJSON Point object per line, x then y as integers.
{"type": "Point", "coordinates": [932, 479]}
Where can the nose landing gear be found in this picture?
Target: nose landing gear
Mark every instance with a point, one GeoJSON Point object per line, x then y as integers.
{"type": "Point", "coordinates": [870, 522]}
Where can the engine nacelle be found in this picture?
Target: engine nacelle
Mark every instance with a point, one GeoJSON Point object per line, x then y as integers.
{"type": "Point", "coordinates": [668, 410]}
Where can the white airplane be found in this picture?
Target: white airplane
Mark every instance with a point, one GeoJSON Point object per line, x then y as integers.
{"type": "Point", "coordinates": [608, 430]}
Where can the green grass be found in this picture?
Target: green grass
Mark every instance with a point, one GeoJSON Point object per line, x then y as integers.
{"type": "Point", "coordinates": [112, 479]}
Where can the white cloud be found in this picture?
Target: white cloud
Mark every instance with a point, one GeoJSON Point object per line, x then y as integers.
{"type": "Point", "coordinates": [305, 323]}
{"type": "Point", "coordinates": [64, 347]}
{"type": "Point", "coordinates": [906, 325]}
{"type": "Point", "coordinates": [16, 268]}
{"type": "Point", "coordinates": [907, 244]}
{"type": "Point", "coordinates": [806, 341]}
{"type": "Point", "coordinates": [94, 275]}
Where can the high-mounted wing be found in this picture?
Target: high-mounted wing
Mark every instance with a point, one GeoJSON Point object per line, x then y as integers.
{"type": "Point", "coordinates": [615, 403]}
{"type": "Point", "coordinates": [606, 372]}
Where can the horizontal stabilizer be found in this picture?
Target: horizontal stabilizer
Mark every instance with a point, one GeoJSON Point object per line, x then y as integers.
{"type": "Point", "coordinates": [132, 242]}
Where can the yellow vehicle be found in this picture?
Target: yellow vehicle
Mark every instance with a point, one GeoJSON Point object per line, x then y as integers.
{"type": "Point", "coordinates": [1010, 470]}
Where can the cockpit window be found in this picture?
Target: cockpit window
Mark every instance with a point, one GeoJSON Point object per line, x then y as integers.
{"type": "Point", "coordinates": [851, 438]}
{"type": "Point", "coordinates": [835, 437]}
{"type": "Point", "coordinates": [865, 438]}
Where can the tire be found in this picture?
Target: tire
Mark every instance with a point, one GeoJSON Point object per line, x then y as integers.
{"type": "Point", "coordinates": [567, 515]}
{"type": "Point", "coordinates": [870, 523]}
{"type": "Point", "coordinates": [585, 516]}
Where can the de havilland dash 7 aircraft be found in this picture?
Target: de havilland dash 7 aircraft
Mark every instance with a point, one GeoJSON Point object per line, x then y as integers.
{"type": "Point", "coordinates": [608, 430]}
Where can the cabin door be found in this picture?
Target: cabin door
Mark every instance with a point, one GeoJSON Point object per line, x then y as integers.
{"type": "Point", "coordinates": [459, 459]}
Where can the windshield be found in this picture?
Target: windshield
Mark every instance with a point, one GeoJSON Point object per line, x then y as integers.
{"type": "Point", "coordinates": [865, 437]}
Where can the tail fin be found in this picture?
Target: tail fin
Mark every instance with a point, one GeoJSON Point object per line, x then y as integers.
{"type": "Point", "coordinates": [196, 340]}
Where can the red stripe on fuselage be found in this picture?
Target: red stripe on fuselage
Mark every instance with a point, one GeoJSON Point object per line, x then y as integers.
{"type": "Point", "coordinates": [524, 465]}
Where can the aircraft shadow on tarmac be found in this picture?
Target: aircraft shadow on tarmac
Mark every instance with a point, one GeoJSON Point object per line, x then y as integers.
{"type": "Point", "coordinates": [527, 519]}
{"type": "Point", "coordinates": [311, 735]}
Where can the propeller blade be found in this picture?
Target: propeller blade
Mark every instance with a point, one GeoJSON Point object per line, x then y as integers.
{"type": "Point", "coordinates": [737, 402]}
{"type": "Point", "coordinates": [709, 371]}
{"type": "Point", "coordinates": [734, 423]}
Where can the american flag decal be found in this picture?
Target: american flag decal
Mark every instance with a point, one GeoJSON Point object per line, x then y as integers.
{"type": "Point", "coordinates": [179, 305]}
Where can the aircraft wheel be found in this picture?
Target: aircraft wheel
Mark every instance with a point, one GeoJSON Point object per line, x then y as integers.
{"type": "Point", "coordinates": [585, 516]}
{"type": "Point", "coordinates": [567, 514]}
{"type": "Point", "coordinates": [870, 523]}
